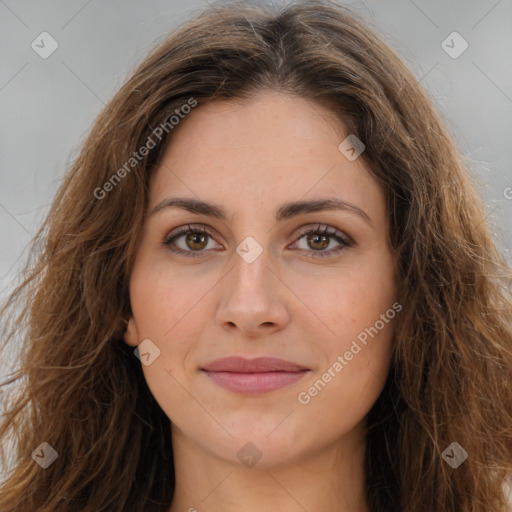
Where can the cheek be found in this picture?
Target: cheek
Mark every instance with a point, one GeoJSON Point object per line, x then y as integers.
{"type": "Point", "coordinates": [355, 307]}
{"type": "Point", "coordinates": [164, 299]}
{"type": "Point", "coordinates": [163, 308]}
{"type": "Point", "coordinates": [350, 300]}
{"type": "Point", "coordinates": [343, 392]}
{"type": "Point", "coordinates": [169, 309]}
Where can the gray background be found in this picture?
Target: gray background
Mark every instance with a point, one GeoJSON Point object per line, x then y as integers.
{"type": "Point", "coordinates": [47, 105]}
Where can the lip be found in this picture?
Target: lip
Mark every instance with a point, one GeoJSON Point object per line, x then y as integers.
{"type": "Point", "coordinates": [254, 376]}
{"type": "Point", "coordinates": [257, 365]}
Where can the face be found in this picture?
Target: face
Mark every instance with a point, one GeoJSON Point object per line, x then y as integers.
{"type": "Point", "coordinates": [252, 276]}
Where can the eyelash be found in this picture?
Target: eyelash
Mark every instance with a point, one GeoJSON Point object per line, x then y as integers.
{"type": "Point", "coordinates": [344, 240]}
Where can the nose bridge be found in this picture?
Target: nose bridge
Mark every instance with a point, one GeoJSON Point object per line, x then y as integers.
{"type": "Point", "coordinates": [251, 274]}
{"type": "Point", "coordinates": [250, 297]}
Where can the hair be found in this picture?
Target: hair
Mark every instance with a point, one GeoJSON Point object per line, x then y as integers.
{"type": "Point", "coordinates": [82, 390]}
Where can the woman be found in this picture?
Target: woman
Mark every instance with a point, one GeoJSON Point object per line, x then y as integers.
{"type": "Point", "coordinates": [266, 281]}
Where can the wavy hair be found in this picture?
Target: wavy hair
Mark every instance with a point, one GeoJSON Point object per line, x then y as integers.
{"type": "Point", "coordinates": [79, 386]}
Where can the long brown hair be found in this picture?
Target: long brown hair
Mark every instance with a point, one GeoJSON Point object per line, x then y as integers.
{"type": "Point", "coordinates": [80, 388]}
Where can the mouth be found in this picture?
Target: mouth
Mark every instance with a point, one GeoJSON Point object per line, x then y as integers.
{"type": "Point", "coordinates": [254, 376]}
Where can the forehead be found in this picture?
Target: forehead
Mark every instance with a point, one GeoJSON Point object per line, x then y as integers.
{"type": "Point", "coordinates": [255, 122]}
{"type": "Point", "coordinates": [260, 151]}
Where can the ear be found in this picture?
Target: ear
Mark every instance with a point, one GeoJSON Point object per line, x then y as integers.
{"type": "Point", "coordinates": [131, 335]}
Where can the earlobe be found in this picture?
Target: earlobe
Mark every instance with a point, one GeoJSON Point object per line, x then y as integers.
{"type": "Point", "coordinates": [130, 335]}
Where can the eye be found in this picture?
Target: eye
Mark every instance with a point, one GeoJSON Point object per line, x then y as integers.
{"type": "Point", "coordinates": [195, 238]}
{"type": "Point", "coordinates": [320, 238]}
{"type": "Point", "coordinates": [191, 241]}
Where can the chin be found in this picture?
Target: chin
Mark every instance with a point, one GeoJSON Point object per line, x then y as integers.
{"type": "Point", "coordinates": [270, 446]}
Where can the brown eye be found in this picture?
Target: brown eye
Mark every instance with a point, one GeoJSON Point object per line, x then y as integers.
{"type": "Point", "coordinates": [188, 241]}
{"type": "Point", "coordinates": [317, 240]}
{"type": "Point", "coordinates": [196, 241]}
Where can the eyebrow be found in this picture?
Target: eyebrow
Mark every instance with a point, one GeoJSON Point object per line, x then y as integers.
{"type": "Point", "coordinates": [285, 211]}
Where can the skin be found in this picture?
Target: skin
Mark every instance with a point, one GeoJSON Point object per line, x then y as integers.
{"type": "Point", "coordinates": [251, 157]}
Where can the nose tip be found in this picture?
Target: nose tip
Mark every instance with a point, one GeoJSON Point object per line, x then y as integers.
{"type": "Point", "coordinates": [251, 300]}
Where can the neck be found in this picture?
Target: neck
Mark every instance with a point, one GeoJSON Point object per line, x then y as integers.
{"type": "Point", "coordinates": [330, 479]}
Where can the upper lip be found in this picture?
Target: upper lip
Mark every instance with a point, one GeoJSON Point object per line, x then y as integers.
{"type": "Point", "coordinates": [259, 364]}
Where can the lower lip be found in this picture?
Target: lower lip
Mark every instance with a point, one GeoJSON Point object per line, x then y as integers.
{"type": "Point", "coordinates": [254, 383]}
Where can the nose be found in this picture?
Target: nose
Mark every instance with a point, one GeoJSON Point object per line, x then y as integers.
{"type": "Point", "coordinates": [253, 299]}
